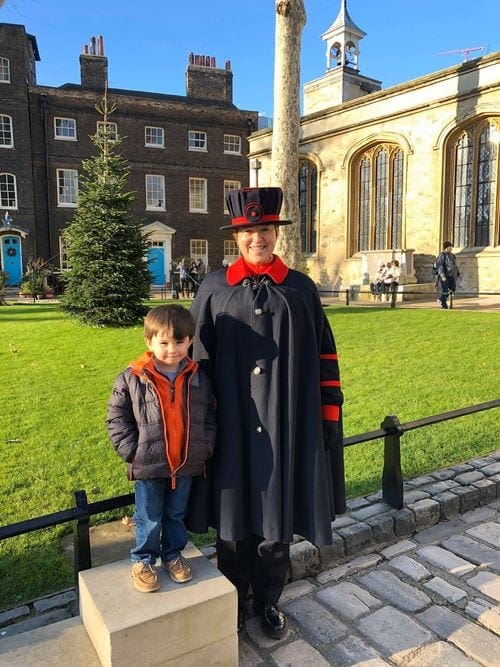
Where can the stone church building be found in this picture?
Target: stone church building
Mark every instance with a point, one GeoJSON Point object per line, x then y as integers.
{"type": "Point", "coordinates": [394, 173]}
{"type": "Point", "coordinates": [183, 152]}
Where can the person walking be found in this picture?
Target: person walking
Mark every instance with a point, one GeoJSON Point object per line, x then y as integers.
{"type": "Point", "coordinates": [447, 272]}
{"type": "Point", "coordinates": [277, 470]}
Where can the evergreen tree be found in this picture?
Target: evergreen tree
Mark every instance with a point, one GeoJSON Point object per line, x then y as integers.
{"type": "Point", "coordinates": [107, 276]}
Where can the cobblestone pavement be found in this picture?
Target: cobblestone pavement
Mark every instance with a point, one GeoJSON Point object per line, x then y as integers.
{"type": "Point", "coordinates": [429, 599]}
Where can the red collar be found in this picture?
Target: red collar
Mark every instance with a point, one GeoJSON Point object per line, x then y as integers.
{"type": "Point", "coordinates": [241, 270]}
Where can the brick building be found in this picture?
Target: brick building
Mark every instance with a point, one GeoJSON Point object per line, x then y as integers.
{"type": "Point", "coordinates": [183, 152]}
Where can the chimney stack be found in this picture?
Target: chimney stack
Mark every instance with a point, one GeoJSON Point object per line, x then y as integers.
{"type": "Point", "coordinates": [94, 65]}
{"type": "Point", "coordinates": [204, 80]}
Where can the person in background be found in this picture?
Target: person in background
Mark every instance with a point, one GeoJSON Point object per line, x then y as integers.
{"type": "Point", "coordinates": [183, 278]}
{"type": "Point", "coordinates": [447, 272]}
{"type": "Point", "coordinates": [161, 421]}
{"type": "Point", "coordinates": [264, 340]}
{"type": "Point", "coordinates": [202, 271]}
{"type": "Point", "coordinates": [377, 286]}
{"type": "Point", "coordinates": [392, 277]}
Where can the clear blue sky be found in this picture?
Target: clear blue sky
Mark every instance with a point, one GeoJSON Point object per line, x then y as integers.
{"type": "Point", "coordinates": [148, 43]}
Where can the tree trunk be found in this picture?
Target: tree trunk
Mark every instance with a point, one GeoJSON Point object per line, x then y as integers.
{"type": "Point", "coordinates": [290, 21]}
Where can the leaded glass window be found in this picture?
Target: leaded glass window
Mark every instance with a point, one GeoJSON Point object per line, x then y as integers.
{"type": "Point", "coordinates": [308, 206]}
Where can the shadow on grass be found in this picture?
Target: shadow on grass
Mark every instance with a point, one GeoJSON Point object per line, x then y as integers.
{"type": "Point", "coordinates": [32, 312]}
{"type": "Point", "coordinates": [31, 567]}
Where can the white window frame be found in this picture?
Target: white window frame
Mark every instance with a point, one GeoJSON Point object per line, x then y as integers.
{"type": "Point", "coordinates": [6, 126]}
{"type": "Point", "coordinates": [228, 186]}
{"type": "Point", "coordinates": [231, 250]}
{"type": "Point", "coordinates": [198, 249]}
{"type": "Point", "coordinates": [67, 188]}
{"type": "Point", "coordinates": [8, 184]}
{"type": "Point", "coordinates": [4, 70]}
{"type": "Point", "coordinates": [232, 144]}
{"type": "Point", "coordinates": [112, 129]}
{"type": "Point", "coordinates": [67, 126]}
{"type": "Point", "coordinates": [198, 195]}
{"type": "Point", "coordinates": [154, 130]}
{"type": "Point", "coordinates": [155, 192]}
{"type": "Point", "coordinates": [197, 141]}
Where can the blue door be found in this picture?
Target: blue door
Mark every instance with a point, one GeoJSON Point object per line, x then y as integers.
{"type": "Point", "coordinates": [11, 259]}
{"type": "Point", "coordinates": [156, 262]}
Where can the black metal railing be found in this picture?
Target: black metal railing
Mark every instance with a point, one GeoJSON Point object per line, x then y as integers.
{"type": "Point", "coordinates": [350, 295]}
{"type": "Point", "coordinates": [392, 484]}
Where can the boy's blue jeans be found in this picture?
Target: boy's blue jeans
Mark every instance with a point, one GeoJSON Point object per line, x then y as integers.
{"type": "Point", "coordinates": [159, 519]}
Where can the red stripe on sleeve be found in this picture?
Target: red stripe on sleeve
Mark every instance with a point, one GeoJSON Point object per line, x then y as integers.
{"type": "Point", "coordinates": [330, 413]}
{"type": "Point", "coordinates": [333, 357]}
{"type": "Point", "coordinates": [330, 383]}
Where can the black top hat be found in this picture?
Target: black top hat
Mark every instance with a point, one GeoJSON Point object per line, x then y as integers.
{"type": "Point", "coordinates": [251, 207]}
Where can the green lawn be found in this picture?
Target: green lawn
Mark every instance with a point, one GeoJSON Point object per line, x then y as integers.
{"type": "Point", "coordinates": [57, 375]}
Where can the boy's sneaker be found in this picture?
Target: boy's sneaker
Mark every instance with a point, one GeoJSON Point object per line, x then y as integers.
{"type": "Point", "coordinates": [145, 577]}
{"type": "Point", "coordinates": [178, 569]}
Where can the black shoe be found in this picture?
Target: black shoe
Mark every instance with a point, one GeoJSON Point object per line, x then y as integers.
{"type": "Point", "coordinates": [273, 621]}
{"type": "Point", "coordinates": [241, 622]}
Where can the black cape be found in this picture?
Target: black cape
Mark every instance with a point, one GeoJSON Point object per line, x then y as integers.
{"type": "Point", "coordinates": [270, 474]}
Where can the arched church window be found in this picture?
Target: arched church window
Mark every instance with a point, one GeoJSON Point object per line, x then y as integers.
{"type": "Point", "coordinates": [308, 206]}
{"type": "Point", "coordinates": [335, 55]}
{"type": "Point", "coordinates": [473, 219]}
{"type": "Point", "coordinates": [377, 187]}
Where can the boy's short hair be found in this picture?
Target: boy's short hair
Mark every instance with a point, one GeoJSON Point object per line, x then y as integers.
{"type": "Point", "coordinates": [174, 317]}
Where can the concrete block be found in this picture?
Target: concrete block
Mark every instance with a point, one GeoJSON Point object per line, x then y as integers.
{"type": "Point", "coordinates": [348, 600]}
{"type": "Point", "coordinates": [388, 587]}
{"type": "Point", "coordinates": [398, 548]}
{"type": "Point", "coordinates": [62, 643]}
{"type": "Point", "coordinates": [296, 590]}
{"type": "Point", "coordinates": [404, 522]}
{"type": "Point", "coordinates": [446, 473]}
{"type": "Point", "coordinates": [353, 651]}
{"type": "Point", "coordinates": [14, 614]}
{"type": "Point", "coordinates": [357, 537]}
{"type": "Point", "coordinates": [439, 486]}
{"type": "Point", "coordinates": [128, 628]}
{"type": "Point", "coordinates": [445, 560]}
{"type": "Point", "coordinates": [496, 480]}
{"type": "Point", "coordinates": [304, 560]}
{"type": "Point", "coordinates": [474, 641]}
{"type": "Point", "coordinates": [298, 652]}
{"type": "Point", "coordinates": [479, 514]}
{"type": "Point", "coordinates": [467, 478]}
{"type": "Point", "coordinates": [487, 583]}
{"type": "Point", "coordinates": [487, 532]}
{"type": "Point", "coordinates": [448, 592]}
{"type": "Point", "coordinates": [438, 654]}
{"type": "Point", "coordinates": [382, 528]}
{"type": "Point", "coordinates": [394, 633]}
{"type": "Point", "coordinates": [315, 621]}
{"type": "Point", "coordinates": [482, 462]}
{"type": "Point", "coordinates": [356, 503]}
{"type": "Point", "coordinates": [371, 510]}
{"type": "Point", "coordinates": [332, 553]}
{"type": "Point", "coordinates": [353, 566]}
{"type": "Point", "coordinates": [409, 567]}
{"type": "Point", "coordinates": [412, 496]}
{"type": "Point", "coordinates": [426, 512]}
{"type": "Point", "coordinates": [468, 497]}
{"type": "Point", "coordinates": [492, 469]}
{"type": "Point", "coordinates": [473, 551]}
{"type": "Point", "coordinates": [487, 490]}
{"type": "Point", "coordinates": [54, 601]}
{"type": "Point", "coordinates": [488, 614]}
{"type": "Point", "coordinates": [33, 622]}
{"type": "Point", "coordinates": [449, 504]}
{"type": "Point", "coordinates": [420, 481]}
{"type": "Point", "coordinates": [440, 531]}
{"type": "Point", "coordinates": [462, 467]}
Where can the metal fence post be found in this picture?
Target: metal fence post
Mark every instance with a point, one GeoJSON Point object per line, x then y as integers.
{"type": "Point", "coordinates": [347, 297]}
{"type": "Point", "coordinates": [450, 293]}
{"type": "Point", "coordinates": [81, 536]}
{"type": "Point", "coordinates": [394, 295]}
{"type": "Point", "coordinates": [392, 477]}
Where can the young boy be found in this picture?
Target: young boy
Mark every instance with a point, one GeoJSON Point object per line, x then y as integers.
{"type": "Point", "coordinates": [161, 421]}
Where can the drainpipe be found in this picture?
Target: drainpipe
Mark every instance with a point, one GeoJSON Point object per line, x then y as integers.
{"type": "Point", "coordinates": [43, 97]}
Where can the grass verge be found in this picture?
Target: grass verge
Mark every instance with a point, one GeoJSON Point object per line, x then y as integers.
{"type": "Point", "coordinates": [57, 376]}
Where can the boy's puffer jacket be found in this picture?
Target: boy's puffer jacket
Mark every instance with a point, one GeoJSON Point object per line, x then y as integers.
{"type": "Point", "coordinates": [135, 425]}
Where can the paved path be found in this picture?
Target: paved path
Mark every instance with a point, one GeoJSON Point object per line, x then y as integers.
{"type": "Point", "coordinates": [432, 600]}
